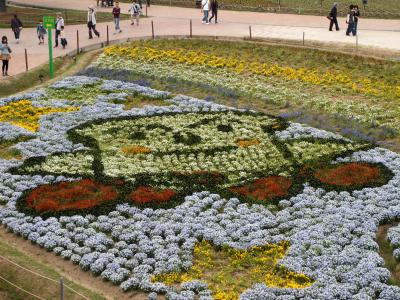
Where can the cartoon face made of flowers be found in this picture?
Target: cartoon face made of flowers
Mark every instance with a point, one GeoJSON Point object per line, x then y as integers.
{"type": "Point", "coordinates": [157, 160]}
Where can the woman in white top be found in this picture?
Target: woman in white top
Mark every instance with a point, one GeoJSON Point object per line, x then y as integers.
{"type": "Point", "coordinates": [205, 5]}
{"type": "Point", "coordinates": [91, 22]}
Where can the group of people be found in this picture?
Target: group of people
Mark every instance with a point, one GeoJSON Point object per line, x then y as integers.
{"type": "Point", "coordinates": [135, 10]}
{"type": "Point", "coordinates": [206, 6]}
{"type": "Point", "coordinates": [351, 19]}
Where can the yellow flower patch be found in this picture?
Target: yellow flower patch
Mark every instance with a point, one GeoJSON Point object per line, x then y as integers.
{"type": "Point", "coordinates": [229, 272]}
{"type": "Point", "coordinates": [311, 76]}
{"type": "Point", "coordinates": [24, 115]}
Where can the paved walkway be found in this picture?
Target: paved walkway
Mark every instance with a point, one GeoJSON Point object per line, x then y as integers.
{"type": "Point", "coordinates": [175, 21]}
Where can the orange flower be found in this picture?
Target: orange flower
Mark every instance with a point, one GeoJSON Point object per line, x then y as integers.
{"type": "Point", "coordinates": [266, 188]}
{"type": "Point", "coordinates": [135, 149]}
{"type": "Point", "coordinates": [349, 174]}
{"type": "Point", "coordinates": [247, 143]}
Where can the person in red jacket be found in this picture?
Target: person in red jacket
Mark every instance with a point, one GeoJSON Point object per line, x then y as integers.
{"type": "Point", "coordinates": [116, 13]}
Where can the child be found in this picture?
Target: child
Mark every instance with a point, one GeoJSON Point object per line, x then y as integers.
{"type": "Point", "coordinates": [63, 39]}
{"type": "Point", "coordinates": [5, 55]}
{"type": "Point", "coordinates": [41, 32]}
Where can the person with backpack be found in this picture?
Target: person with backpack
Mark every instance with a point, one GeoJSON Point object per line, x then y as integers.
{"type": "Point", "coordinates": [116, 14]}
{"type": "Point", "coordinates": [16, 27]}
{"type": "Point", "coordinates": [350, 21]}
{"type": "Point", "coordinates": [59, 27]}
{"type": "Point", "coordinates": [135, 12]}
{"type": "Point", "coordinates": [205, 5]}
{"type": "Point", "coordinates": [91, 22]}
{"type": "Point", "coordinates": [5, 55]}
{"type": "Point", "coordinates": [214, 11]}
{"type": "Point", "coordinates": [41, 32]}
{"type": "Point", "coordinates": [333, 17]}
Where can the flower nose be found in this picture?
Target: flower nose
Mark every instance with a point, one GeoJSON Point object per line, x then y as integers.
{"type": "Point", "coordinates": [187, 138]}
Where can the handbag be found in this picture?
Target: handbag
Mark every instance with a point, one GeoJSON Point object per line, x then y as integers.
{"type": "Point", "coordinates": [5, 56]}
{"type": "Point", "coordinates": [329, 18]}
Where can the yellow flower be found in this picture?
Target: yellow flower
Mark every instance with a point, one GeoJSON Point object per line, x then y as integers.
{"type": "Point", "coordinates": [24, 115]}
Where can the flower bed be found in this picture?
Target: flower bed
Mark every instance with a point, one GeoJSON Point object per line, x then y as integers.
{"type": "Point", "coordinates": [196, 199]}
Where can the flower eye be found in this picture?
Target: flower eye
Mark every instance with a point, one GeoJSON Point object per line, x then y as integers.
{"type": "Point", "coordinates": [225, 128]}
{"type": "Point", "coordinates": [137, 135]}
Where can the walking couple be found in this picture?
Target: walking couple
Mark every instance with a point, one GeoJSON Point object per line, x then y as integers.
{"type": "Point", "coordinates": [206, 5]}
{"type": "Point", "coordinates": [352, 20]}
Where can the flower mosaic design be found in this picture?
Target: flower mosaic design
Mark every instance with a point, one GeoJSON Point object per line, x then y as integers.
{"type": "Point", "coordinates": [123, 207]}
{"type": "Point", "coordinates": [155, 161]}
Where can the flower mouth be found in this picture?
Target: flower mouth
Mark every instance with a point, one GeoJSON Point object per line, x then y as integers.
{"type": "Point", "coordinates": [247, 143]}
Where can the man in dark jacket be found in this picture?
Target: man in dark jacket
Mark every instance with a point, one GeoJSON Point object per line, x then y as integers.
{"type": "Point", "coordinates": [16, 26]}
{"type": "Point", "coordinates": [333, 17]}
{"type": "Point", "coordinates": [214, 11]}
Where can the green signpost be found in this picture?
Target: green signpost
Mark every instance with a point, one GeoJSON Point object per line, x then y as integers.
{"type": "Point", "coordinates": [49, 23]}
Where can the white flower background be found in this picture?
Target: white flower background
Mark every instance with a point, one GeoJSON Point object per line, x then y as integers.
{"type": "Point", "coordinates": [332, 234]}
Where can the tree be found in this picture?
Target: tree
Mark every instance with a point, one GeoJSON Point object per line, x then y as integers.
{"type": "Point", "coordinates": [2, 5]}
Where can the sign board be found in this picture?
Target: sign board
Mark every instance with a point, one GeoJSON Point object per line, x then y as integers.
{"type": "Point", "coordinates": [49, 22]}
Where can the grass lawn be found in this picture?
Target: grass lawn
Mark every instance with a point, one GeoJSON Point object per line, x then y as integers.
{"type": "Point", "coordinates": [30, 16]}
{"type": "Point", "coordinates": [375, 8]}
{"type": "Point", "coordinates": [32, 283]}
{"type": "Point", "coordinates": [63, 66]}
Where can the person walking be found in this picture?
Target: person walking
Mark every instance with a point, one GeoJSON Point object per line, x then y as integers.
{"type": "Point", "coordinates": [91, 22]}
{"type": "Point", "coordinates": [116, 13]}
{"type": "Point", "coordinates": [205, 5]}
{"type": "Point", "coordinates": [135, 12]}
{"type": "Point", "coordinates": [16, 27]}
{"type": "Point", "coordinates": [356, 16]}
{"type": "Point", "coordinates": [214, 11]}
{"type": "Point", "coordinates": [59, 27]}
{"type": "Point", "coordinates": [333, 17]}
{"type": "Point", "coordinates": [41, 32]}
{"type": "Point", "coordinates": [5, 55]}
{"type": "Point", "coordinates": [350, 21]}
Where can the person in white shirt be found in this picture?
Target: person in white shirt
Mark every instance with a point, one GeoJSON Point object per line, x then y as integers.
{"type": "Point", "coordinates": [59, 26]}
{"type": "Point", "coordinates": [205, 5]}
{"type": "Point", "coordinates": [91, 22]}
{"type": "Point", "coordinates": [135, 12]}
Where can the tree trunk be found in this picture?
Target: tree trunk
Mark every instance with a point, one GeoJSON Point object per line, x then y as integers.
{"type": "Point", "coordinates": [2, 5]}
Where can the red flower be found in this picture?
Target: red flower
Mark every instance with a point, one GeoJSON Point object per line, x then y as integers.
{"type": "Point", "coordinates": [146, 194]}
{"type": "Point", "coordinates": [74, 195]}
{"type": "Point", "coordinates": [349, 174]}
{"type": "Point", "coordinates": [266, 188]}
